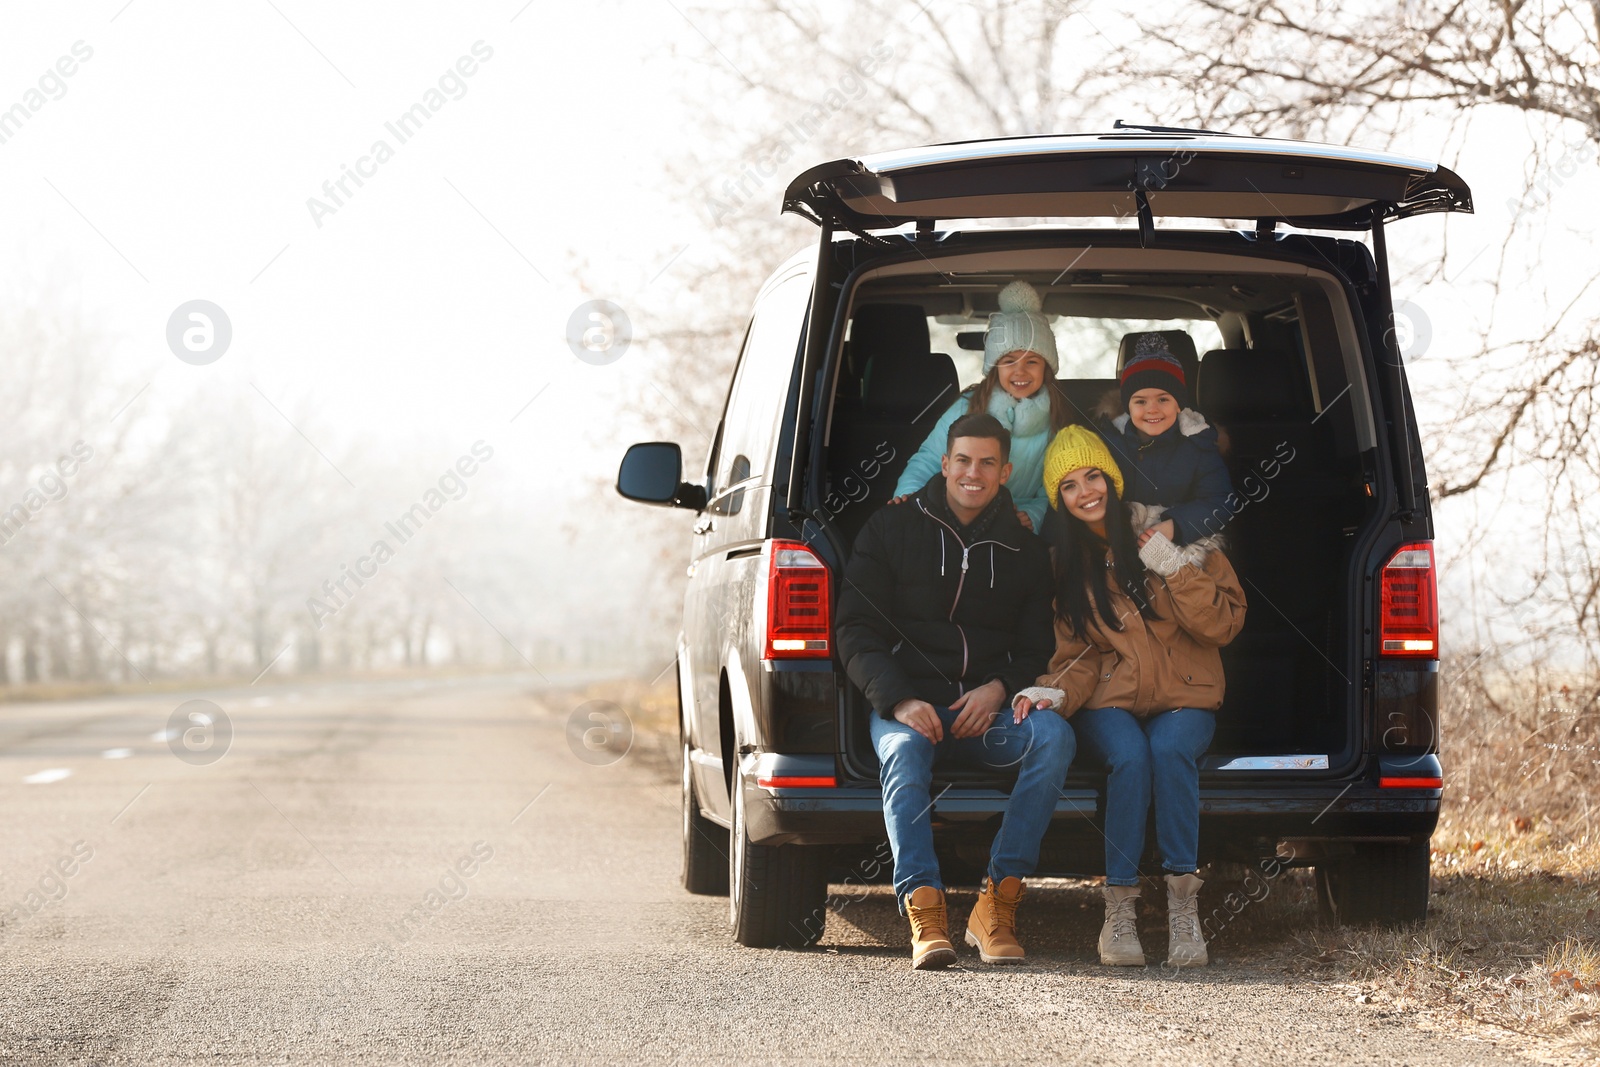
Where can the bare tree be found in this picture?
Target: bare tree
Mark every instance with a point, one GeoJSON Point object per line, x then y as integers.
{"type": "Point", "coordinates": [785, 85]}
{"type": "Point", "coordinates": [1525, 395]}
{"type": "Point", "coordinates": [142, 540]}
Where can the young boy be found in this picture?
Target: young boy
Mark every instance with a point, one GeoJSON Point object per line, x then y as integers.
{"type": "Point", "coordinates": [1167, 453]}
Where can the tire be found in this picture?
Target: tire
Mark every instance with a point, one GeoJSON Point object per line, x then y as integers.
{"type": "Point", "coordinates": [779, 893]}
{"type": "Point", "coordinates": [705, 844]}
{"type": "Point", "coordinates": [1383, 884]}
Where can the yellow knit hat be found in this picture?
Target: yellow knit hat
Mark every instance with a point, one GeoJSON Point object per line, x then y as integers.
{"type": "Point", "coordinates": [1074, 447]}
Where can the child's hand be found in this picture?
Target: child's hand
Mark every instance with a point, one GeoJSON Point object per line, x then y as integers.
{"type": "Point", "coordinates": [1166, 528]}
{"type": "Point", "coordinates": [901, 499]}
{"type": "Point", "coordinates": [1022, 517]}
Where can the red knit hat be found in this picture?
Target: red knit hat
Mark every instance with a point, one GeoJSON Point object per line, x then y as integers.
{"type": "Point", "coordinates": [1153, 366]}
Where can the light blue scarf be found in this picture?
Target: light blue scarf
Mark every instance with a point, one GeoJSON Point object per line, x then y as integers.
{"type": "Point", "coordinates": [1025, 417]}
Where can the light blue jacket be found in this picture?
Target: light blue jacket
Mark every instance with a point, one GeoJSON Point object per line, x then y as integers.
{"type": "Point", "coordinates": [1029, 423]}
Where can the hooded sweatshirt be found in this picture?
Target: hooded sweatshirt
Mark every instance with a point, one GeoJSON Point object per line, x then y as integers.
{"type": "Point", "coordinates": [931, 608]}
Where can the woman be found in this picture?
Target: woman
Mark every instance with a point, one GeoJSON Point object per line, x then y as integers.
{"type": "Point", "coordinates": [1136, 668]}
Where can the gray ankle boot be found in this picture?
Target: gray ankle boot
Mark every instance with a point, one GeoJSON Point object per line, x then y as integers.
{"type": "Point", "coordinates": [1119, 936]}
{"type": "Point", "coordinates": [1185, 946]}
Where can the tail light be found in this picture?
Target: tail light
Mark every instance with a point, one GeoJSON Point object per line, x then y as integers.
{"type": "Point", "coordinates": [798, 782]}
{"type": "Point", "coordinates": [798, 622]}
{"type": "Point", "coordinates": [1408, 618]}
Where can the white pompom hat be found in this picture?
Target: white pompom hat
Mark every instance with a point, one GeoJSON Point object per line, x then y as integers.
{"type": "Point", "coordinates": [1018, 326]}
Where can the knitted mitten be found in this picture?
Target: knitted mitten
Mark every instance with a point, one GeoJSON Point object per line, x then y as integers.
{"type": "Point", "coordinates": [1036, 693]}
{"type": "Point", "coordinates": [1161, 555]}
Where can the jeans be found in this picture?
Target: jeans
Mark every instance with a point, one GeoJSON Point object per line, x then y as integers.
{"type": "Point", "coordinates": [1040, 748]}
{"type": "Point", "coordinates": [1155, 756]}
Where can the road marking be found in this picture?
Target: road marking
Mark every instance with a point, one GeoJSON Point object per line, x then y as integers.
{"type": "Point", "coordinates": [54, 774]}
{"type": "Point", "coordinates": [116, 753]}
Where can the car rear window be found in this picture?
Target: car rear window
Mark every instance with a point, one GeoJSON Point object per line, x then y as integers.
{"type": "Point", "coordinates": [1087, 346]}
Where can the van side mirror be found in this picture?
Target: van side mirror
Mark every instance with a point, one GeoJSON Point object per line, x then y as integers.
{"type": "Point", "coordinates": [652, 473]}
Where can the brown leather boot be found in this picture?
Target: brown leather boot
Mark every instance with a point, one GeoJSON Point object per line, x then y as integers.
{"type": "Point", "coordinates": [930, 929]}
{"type": "Point", "coordinates": [992, 927]}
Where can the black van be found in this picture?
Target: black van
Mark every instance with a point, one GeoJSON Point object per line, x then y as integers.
{"type": "Point", "coordinates": [1325, 751]}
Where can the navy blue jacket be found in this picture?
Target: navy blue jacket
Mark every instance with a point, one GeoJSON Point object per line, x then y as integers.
{"type": "Point", "coordinates": [1183, 473]}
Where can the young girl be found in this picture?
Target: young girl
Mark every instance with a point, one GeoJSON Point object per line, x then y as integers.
{"type": "Point", "coordinates": [1137, 671]}
{"type": "Point", "coordinates": [1166, 451]}
{"type": "Point", "coordinates": [1018, 388]}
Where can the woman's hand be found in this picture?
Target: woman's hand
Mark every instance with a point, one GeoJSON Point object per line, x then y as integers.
{"type": "Point", "coordinates": [1022, 707]}
{"type": "Point", "coordinates": [1034, 698]}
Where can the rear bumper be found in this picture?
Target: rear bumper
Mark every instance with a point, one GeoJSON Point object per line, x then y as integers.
{"type": "Point", "coordinates": [1243, 817]}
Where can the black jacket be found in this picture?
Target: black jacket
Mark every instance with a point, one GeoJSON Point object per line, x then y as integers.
{"type": "Point", "coordinates": [930, 610]}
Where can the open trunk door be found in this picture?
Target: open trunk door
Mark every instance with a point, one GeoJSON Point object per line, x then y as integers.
{"type": "Point", "coordinates": [1124, 174]}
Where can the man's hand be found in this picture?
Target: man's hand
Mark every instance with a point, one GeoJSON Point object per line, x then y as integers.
{"type": "Point", "coordinates": [1166, 528]}
{"type": "Point", "coordinates": [920, 716]}
{"type": "Point", "coordinates": [978, 708]}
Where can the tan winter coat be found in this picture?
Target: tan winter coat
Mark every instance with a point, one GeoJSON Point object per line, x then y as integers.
{"type": "Point", "coordinates": [1155, 665]}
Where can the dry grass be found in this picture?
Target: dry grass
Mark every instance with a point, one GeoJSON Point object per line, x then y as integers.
{"type": "Point", "coordinates": [1522, 755]}
{"type": "Point", "coordinates": [1512, 948]}
{"type": "Point", "coordinates": [1512, 943]}
{"type": "Point", "coordinates": [651, 707]}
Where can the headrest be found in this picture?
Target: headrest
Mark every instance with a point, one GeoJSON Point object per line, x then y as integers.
{"type": "Point", "coordinates": [888, 328]}
{"type": "Point", "coordinates": [1252, 385]}
{"type": "Point", "coordinates": [903, 385]}
{"type": "Point", "coordinates": [1178, 341]}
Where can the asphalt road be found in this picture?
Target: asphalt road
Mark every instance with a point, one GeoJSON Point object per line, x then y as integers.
{"type": "Point", "coordinates": [429, 873]}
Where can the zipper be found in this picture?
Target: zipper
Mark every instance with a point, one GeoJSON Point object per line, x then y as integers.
{"type": "Point", "coordinates": [966, 551]}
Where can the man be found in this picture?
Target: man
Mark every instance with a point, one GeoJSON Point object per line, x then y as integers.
{"type": "Point", "coordinates": [945, 613]}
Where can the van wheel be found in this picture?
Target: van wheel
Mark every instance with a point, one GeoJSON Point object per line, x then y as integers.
{"type": "Point", "coordinates": [705, 844]}
{"type": "Point", "coordinates": [778, 893]}
{"type": "Point", "coordinates": [1381, 883]}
